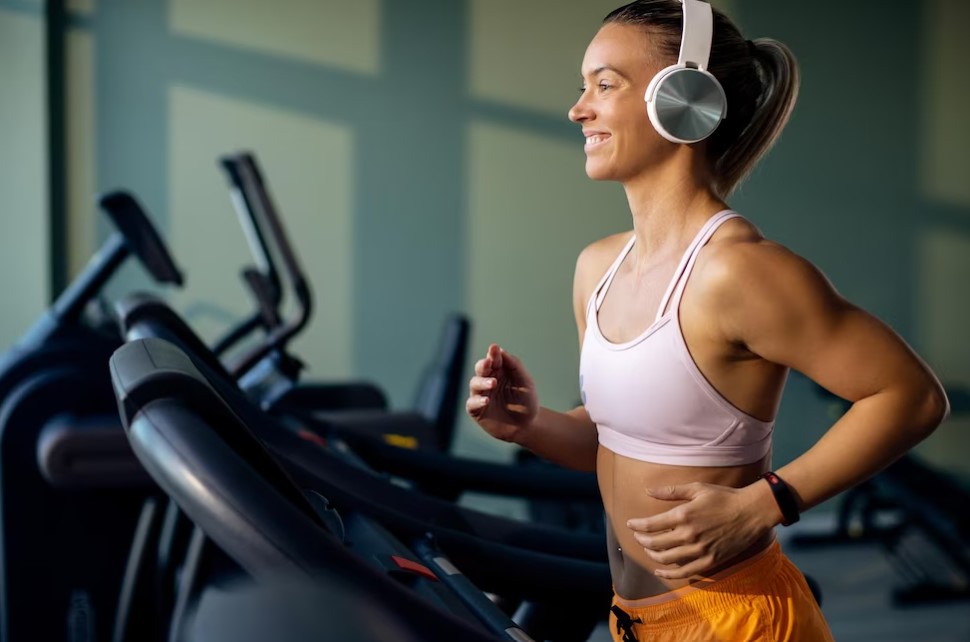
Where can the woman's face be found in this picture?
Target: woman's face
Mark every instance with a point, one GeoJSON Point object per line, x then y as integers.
{"type": "Point", "coordinates": [620, 141]}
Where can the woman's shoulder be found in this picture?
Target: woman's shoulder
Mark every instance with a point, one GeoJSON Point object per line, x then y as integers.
{"type": "Point", "coordinates": [740, 245]}
{"type": "Point", "coordinates": [740, 259]}
{"type": "Point", "coordinates": [594, 261]}
{"type": "Point", "coordinates": [596, 258]}
{"type": "Point", "coordinates": [604, 251]}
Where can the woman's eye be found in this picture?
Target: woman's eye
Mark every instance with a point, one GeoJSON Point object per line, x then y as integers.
{"type": "Point", "coordinates": [602, 86]}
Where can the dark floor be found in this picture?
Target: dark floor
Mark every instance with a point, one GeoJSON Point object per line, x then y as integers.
{"type": "Point", "coordinates": [857, 586]}
{"type": "Point", "coordinates": [857, 583]}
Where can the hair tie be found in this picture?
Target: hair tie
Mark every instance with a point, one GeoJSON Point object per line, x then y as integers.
{"type": "Point", "coordinates": [752, 48]}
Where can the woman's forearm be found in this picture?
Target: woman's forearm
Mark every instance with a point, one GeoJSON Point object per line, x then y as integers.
{"type": "Point", "coordinates": [875, 432]}
{"type": "Point", "coordinates": [566, 438]}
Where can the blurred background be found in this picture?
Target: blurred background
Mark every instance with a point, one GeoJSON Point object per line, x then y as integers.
{"type": "Point", "coordinates": [420, 153]}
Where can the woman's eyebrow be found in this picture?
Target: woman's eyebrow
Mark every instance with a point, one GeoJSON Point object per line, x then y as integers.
{"type": "Point", "coordinates": [601, 69]}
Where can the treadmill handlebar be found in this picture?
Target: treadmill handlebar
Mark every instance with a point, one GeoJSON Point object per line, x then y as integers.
{"type": "Point", "coordinates": [135, 235]}
{"type": "Point", "coordinates": [245, 177]}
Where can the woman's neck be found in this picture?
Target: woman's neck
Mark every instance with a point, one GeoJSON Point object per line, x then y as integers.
{"type": "Point", "coordinates": [669, 205]}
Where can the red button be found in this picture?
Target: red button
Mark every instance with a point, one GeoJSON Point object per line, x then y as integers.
{"type": "Point", "coordinates": [313, 437]}
{"type": "Point", "coordinates": [412, 566]}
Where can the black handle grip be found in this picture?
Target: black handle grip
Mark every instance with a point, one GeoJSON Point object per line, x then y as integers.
{"type": "Point", "coordinates": [267, 297]}
{"type": "Point", "coordinates": [140, 236]}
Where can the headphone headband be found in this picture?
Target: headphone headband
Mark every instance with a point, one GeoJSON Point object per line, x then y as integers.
{"type": "Point", "coordinates": [685, 102]}
{"type": "Point", "coordinates": [698, 31]}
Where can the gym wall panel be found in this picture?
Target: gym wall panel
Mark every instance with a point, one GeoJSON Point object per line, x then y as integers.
{"type": "Point", "coordinates": [86, 7]}
{"type": "Point", "coordinates": [340, 33]}
{"type": "Point", "coordinates": [307, 164]}
{"type": "Point", "coordinates": [531, 210]}
{"type": "Point", "coordinates": [82, 136]}
{"type": "Point", "coordinates": [24, 228]}
{"type": "Point", "coordinates": [528, 54]}
{"type": "Point", "coordinates": [946, 94]}
{"type": "Point", "coordinates": [942, 322]}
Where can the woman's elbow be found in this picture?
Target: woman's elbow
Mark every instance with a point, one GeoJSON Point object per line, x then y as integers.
{"type": "Point", "coordinates": [932, 409]}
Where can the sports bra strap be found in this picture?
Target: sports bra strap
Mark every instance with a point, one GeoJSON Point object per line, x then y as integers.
{"type": "Point", "coordinates": [680, 279]}
{"type": "Point", "coordinates": [600, 292]}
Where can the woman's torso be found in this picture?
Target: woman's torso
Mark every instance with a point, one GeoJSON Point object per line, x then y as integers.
{"type": "Point", "coordinates": [622, 482]}
{"type": "Point", "coordinates": [740, 381]}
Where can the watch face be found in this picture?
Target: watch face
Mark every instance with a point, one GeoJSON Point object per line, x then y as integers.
{"type": "Point", "coordinates": [689, 104]}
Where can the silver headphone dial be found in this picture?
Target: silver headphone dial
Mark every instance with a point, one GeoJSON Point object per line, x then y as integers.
{"type": "Point", "coordinates": [689, 104]}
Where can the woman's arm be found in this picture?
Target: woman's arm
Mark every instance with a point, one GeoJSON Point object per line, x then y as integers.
{"type": "Point", "coordinates": [788, 313]}
{"type": "Point", "coordinates": [503, 399]}
{"type": "Point", "coordinates": [565, 438]}
{"type": "Point", "coordinates": [780, 308]}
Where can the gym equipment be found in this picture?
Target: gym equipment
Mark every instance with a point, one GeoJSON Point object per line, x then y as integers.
{"type": "Point", "coordinates": [234, 489]}
{"type": "Point", "coordinates": [430, 425]}
{"type": "Point", "coordinates": [373, 435]}
{"type": "Point", "coordinates": [513, 559]}
{"type": "Point", "coordinates": [295, 610]}
{"type": "Point", "coordinates": [258, 217]}
{"type": "Point", "coordinates": [150, 591]}
{"type": "Point", "coordinates": [267, 369]}
{"type": "Point", "coordinates": [70, 489]}
{"type": "Point", "coordinates": [685, 102]}
{"type": "Point", "coordinates": [367, 435]}
{"type": "Point", "coordinates": [918, 515]}
{"type": "Point", "coordinates": [271, 374]}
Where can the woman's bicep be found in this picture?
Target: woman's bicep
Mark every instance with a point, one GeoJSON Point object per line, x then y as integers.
{"type": "Point", "coordinates": [797, 319]}
{"type": "Point", "coordinates": [848, 352]}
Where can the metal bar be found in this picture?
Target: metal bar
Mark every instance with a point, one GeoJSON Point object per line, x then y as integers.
{"type": "Point", "coordinates": [55, 25]}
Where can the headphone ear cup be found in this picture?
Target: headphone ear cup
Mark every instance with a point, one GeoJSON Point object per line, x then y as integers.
{"type": "Point", "coordinates": [685, 105]}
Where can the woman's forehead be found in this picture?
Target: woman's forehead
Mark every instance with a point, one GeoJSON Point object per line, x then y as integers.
{"type": "Point", "coordinates": [626, 49]}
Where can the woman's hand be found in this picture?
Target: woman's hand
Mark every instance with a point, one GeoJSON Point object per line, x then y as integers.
{"type": "Point", "coordinates": [502, 396]}
{"type": "Point", "coordinates": [712, 526]}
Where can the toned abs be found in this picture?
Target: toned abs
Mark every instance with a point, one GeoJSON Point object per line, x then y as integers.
{"type": "Point", "coordinates": [623, 482]}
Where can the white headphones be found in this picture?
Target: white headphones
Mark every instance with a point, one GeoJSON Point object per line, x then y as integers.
{"type": "Point", "coordinates": [685, 102]}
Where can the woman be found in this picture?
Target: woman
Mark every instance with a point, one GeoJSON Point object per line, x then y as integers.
{"type": "Point", "coordinates": [688, 327]}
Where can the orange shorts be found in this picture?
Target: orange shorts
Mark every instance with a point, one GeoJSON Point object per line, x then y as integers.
{"type": "Point", "coordinates": [764, 598]}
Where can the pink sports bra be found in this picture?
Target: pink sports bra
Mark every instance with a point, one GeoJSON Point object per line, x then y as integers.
{"type": "Point", "coordinates": [648, 398]}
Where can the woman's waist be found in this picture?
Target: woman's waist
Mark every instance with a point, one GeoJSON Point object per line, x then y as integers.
{"type": "Point", "coordinates": [634, 572]}
{"type": "Point", "coordinates": [623, 485]}
{"type": "Point", "coordinates": [637, 589]}
{"type": "Point", "coordinates": [624, 480]}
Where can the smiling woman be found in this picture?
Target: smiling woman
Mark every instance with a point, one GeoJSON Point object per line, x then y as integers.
{"type": "Point", "coordinates": [688, 326]}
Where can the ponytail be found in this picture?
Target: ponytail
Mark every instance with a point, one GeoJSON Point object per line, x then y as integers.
{"type": "Point", "coordinates": [778, 75]}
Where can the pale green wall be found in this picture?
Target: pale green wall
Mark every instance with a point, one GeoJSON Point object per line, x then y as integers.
{"type": "Point", "coordinates": [420, 152]}
{"type": "Point", "coordinates": [24, 262]}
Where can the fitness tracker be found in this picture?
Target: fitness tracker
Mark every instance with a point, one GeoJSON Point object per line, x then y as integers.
{"type": "Point", "coordinates": [784, 497]}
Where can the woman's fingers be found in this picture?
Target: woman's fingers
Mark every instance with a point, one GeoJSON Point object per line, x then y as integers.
{"type": "Point", "coordinates": [495, 354]}
{"type": "Point", "coordinates": [479, 385]}
{"type": "Point", "coordinates": [482, 367]}
{"type": "Point", "coordinates": [476, 405]}
{"type": "Point", "coordinates": [678, 555]}
{"type": "Point", "coordinates": [699, 566]}
{"type": "Point", "coordinates": [491, 363]}
{"type": "Point", "coordinates": [659, 541]}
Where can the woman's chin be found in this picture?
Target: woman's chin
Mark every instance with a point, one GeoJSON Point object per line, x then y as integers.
{"type": "Point", "coordinates": [598, 172]}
